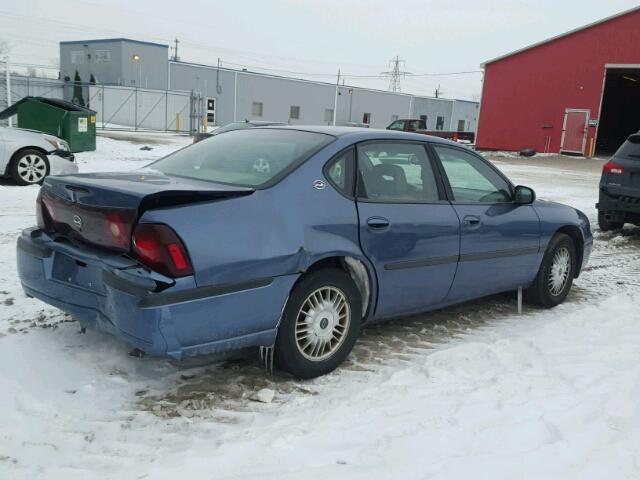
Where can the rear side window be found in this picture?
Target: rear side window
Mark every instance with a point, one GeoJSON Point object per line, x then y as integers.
{"type": "Point", "coordinates": [339, 171]}
{"type": "Point", "coordinates": [253, 157]}
{"type": "Point", "coordinates": [630, 148]}
{"type": "Point", "coordinates": [396, 173]}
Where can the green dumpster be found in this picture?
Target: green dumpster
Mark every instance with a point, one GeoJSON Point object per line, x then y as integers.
{"type": "Point", "coordinates": [73, 123]}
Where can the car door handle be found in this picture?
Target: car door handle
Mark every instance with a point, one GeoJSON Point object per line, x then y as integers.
{"type": "Point", "coordinates": [471, 221]}
{"type": "Point", "coordinates": [377, 223]}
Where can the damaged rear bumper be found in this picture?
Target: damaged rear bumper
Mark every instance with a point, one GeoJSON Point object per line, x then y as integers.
{"type": "Point", "coordinates": [158, 315]}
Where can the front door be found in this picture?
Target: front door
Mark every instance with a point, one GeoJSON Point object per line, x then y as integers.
{"type": "Point", "coordinates": [407, 229]}
{"type": "Point", "coordinates": [574, 130]}
{"type": "Point", "coordinates": [500, 240]}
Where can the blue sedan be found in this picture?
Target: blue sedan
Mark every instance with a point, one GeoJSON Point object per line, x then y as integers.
{"type": "Point", "coordinates": [292, 238]}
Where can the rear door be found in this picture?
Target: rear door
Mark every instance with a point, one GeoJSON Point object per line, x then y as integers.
{"type": "Point", "coordinates": [500, 240]}
{"type": "Point", "coordinates": [407, 229]}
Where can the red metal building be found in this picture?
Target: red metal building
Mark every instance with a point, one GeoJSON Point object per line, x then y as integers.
{"type": "Point", "coordinates": [576, 93]}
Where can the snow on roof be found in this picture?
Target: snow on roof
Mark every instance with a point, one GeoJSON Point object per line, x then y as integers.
{"type": "Point", "coordinates": [562, 35]}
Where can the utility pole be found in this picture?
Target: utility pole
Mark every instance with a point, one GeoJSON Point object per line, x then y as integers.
{"type": "Point", "coordinates": [8, 87]}
{"type": "Point", "coordinates": [175, 58]}
{"type": "Point", "coordinates": [396, 64]}
{"type": "Point", "coordinates": [335, 100]}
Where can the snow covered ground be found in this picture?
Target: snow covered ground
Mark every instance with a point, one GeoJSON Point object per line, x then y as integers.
{"type": "Point", "coordinates": [473, 391]}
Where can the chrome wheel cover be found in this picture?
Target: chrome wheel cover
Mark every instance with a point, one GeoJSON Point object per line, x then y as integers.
{"type": "Point", "coordinates": [32, 168]}
{"type": "Point", "coordinates": [322, 323]}
{"type": "Point", "coordinates": [560, 270]}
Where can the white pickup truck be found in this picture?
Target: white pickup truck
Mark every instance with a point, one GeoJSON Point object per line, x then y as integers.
{"type": "Point", "coordinates": [27, 156]}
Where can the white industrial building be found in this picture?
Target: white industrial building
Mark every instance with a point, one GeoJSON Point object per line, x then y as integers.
{"type": "Point", "coordinates": [229, 95]}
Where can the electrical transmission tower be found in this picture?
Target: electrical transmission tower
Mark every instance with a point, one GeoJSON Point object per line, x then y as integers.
{"type": "Point", "coordinates": [396, 64]}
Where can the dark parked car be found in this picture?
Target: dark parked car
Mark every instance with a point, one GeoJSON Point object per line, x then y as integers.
{"type": "Point", "coordinates": [292, 238]}
{"type": "Point", "coordinates": [229, 127]}
{"type": "Point", "coordinates": [408, 125]}
{"type": "Point", "coordinates": [619, 201]}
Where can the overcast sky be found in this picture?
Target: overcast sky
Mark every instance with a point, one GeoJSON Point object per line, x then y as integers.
{"type": "Point", "coordinates": [313, 38]}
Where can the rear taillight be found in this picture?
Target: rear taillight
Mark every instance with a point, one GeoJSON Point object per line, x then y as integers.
{"type": "Point", "coordinates": [613, 167]}
{"type": "Point", "coordinates": [158, 247]}
{"type": "Point", "coordinates": [43, 217]}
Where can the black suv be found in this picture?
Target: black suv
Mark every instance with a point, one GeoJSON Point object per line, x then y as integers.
{"type": "Point", "coordinates": [619, 201]}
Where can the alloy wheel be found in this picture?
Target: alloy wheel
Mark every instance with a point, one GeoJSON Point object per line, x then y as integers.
{"type": "Point", "coordinates": [32, 168]}
{"type": "Point", "coordinates": [322, 323]}
{"type": "Point", "coordinates": [560, 270]}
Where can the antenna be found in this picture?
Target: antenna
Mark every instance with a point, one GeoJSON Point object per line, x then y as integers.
{"type": "Point", "coordinates": [395, 73]}
{"type": "Point", "coordinates": [175, 57]}
{"type": "Point", "coordinates": [438, 92]}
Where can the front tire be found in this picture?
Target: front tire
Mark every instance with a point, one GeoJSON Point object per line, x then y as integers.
{"type": "Point", "coordinates": [320, 324]}
{"type": "Point", "coordinates": [606, 225]}
{"type": "Point", "coordinates": [29, 167]}
{"type": "Point", "coordinates": [555, 277]}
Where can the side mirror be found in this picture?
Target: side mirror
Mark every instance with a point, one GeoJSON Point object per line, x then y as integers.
{"type": "Point", "coordinates": [524, 195]}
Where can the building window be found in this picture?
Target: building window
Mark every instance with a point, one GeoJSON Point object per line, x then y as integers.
{"type": "Point", "coordinates": [328, 115]}
{"type": "Point", "coordinates": [294, 112]}
{"type": "Point", "coordinates": [440, 123]}
{"type": "Point", "coordinates": [77, 57]}
{"type": "Point", "coordinates": [423, 118]}
{"type": "Point", "coordinates": [256, 109]}
{"type": "Point", "coordinates": [461, 125]}
{"type": "Point", "coordinates": [103, 56]}
{"type": "Point", "coordinates": [366, 118]}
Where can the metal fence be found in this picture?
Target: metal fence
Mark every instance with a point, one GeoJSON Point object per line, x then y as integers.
{"type": "Point", "coordinates": [22, 86]}
{"type": "Point", "coordinates": [130, 108]}
{"type": "Point", "coordinates": [118, 108]}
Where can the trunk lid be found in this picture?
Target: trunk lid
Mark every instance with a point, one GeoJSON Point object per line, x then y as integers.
{"type": "Point", "coordinates": [102, 208]}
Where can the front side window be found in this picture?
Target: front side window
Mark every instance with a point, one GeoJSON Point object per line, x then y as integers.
{"type": "Point", "coordinates": [251, 157]}
{"type": "Point", "coordinates": [471, 179]}
{"type": "Point", "coordinates": [414, 125]}
{"type": "Point", "coordinates": [396, 172]}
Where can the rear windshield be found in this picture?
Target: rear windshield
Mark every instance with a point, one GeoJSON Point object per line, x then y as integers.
{"type": "Point", "coordinates": [252, 158]}
{"type": "Point", "coordinates": [630, 148]}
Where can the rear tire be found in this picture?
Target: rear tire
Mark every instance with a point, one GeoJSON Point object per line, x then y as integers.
{"type": "Point", "coordinates": [29, 167]}
{"type": "Point", "coordinates": [605, 225]}
{"type": "Point", "coordinates": [320, 324]}
{"type": "Point", "coordinates": [555, 277]}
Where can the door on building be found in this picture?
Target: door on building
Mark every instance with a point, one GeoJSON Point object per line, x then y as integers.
{"type": "Point", "coordinates": [574, 130]}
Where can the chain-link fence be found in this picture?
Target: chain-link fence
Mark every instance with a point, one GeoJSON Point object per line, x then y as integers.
{"type": "Point", "coordinates": [130, 108]}
{"type": "Point", "coordinates": [20, 87]}
{"type": "Point", "coordinates": [122, 108]}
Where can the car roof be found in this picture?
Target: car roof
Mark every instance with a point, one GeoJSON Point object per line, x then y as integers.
{"type": "Point", "coordinates": [364, 134]}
